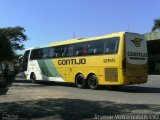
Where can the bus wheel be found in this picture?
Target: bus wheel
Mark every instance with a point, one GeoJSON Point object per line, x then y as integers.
{"type": "Point", "coordinates": [33, 78]}
{"type": "Point", "coordinates": [93, 82]}
{"type": "Point", "coordinates": [80, 81]}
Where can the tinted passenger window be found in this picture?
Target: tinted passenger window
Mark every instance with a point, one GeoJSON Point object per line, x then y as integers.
{"type": "Point", "coordinates": [47, 53]}
{"type": "Point", "coordinates": [96, 47]}
{"type": "Point", "coordinates": [101, 46]}
{"type": "Point", "coordinates": [60, 51]}
{"type": "Point", "coordinates": [69, 51]}
{"type": "Point", "coordinates": [36, 54]}
{"type": "Point", "coordinates": [80, 49]}
{"type": "Point", "coordinates": [111, 45]}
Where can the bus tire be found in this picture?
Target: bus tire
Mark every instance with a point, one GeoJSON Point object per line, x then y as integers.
{"type": "Point", "coordinates": [93, 82]}
{"type": "Point", "coordinates": [80, 81]}
{"type": "Point", "coordinates": [33, 77]}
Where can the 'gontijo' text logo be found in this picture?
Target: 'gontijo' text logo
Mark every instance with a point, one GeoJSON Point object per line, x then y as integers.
{"type": "Point", "coordinates": [137, 42]}
{"type": "Point", "coordinates": [79, 61]}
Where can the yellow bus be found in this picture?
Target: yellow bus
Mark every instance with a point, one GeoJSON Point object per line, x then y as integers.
{"type": "Point", "coordinates": [114, 59]}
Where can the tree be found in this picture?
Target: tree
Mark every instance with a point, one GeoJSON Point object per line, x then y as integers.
{"type": "Point", "coordinates": [156, 24]}
{"type": "Point", "coordinates": [11, 39]}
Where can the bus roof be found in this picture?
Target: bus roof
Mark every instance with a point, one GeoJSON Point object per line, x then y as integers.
{"type": "Point", "coordinates": [117, 34]}
{"type": "Point", "coordinates": [65, 42]}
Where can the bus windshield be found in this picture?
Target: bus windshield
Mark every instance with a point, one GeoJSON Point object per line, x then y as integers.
{"type": "Point", "coordinates": [25, 60]}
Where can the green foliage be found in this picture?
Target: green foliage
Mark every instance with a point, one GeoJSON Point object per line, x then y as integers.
{"type": "Point", "coordinates": [6, 52]}
{"type": "Point", "coordinates": [156, 24]}
{"type": "Point", "coordinates": [11, 39]}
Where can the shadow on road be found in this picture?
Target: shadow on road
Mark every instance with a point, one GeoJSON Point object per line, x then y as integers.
{"type": "Point", "coordinates": [67, 109]}
{"type": "Point", "coordinates": [130, 89]}
{"type": "Point", "coordinates": [22, 81]}
{"type": "Point", "coordinates": [43, 83]}
{"type": "Point", "coordinates": [139, 89]}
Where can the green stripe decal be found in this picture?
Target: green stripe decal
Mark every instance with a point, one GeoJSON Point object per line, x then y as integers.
{"type": "Point", "coordinates": [48, 69]}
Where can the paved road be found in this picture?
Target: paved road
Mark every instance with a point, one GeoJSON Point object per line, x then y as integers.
{"type": "Point", "coordinates": [43, 101]}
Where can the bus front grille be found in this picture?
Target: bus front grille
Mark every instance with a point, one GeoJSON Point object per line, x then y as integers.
{"type": "Point", "coordinates": [111, 74]}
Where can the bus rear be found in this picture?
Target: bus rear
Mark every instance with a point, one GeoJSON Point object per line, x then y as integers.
{"type": "Point", "coordinates": [135, 59]}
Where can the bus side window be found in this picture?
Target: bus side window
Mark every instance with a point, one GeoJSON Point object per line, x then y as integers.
{"type": "Point", "coordinates": [95, 51]}
{"type": "Point", "coordinates": [60, 51]}
{"type": "Point", "coordinates": [46, 53]}
{"type": "Point", "coordinates": [111, 46]}
{"type": "Point", "coordinates": [96, 47]}
{"type": "Point", "coordinates": [90, 52]}
{"type": "Point", "coordinates": [36, 54]}
{"type": "Point", "coordinates": [65, 51]}
{"type": "Point", "coordinates": [52, 54]}
{"type": "Point", "coordinates": [107, 50]}
{"type": "Point", "coordinates": [57, 52]}
{"type": "Point", "coordinates": [77, 53]}
{"type": "Point", "coordinates": [84, 50]}
{"type": "Point", "coordinates": [77, 49]}
{"type": "Point", "coordinates": [69, 52]}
